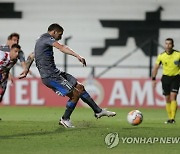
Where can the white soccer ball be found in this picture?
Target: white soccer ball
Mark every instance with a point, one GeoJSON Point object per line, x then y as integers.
{"type": "Point", "coordinates": [135, 117]}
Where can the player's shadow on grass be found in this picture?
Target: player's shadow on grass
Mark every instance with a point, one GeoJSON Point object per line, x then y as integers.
{"type": "Point", "coordinates": [37, 133]}
{"type": "Point", "coordinates": [86, 124]}
{"type": "Point", "coordinates": [82, 125]}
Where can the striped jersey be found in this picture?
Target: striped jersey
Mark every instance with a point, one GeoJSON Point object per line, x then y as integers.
{"type": "Point", "coordinates": [5, 63]}
{"type": "Point", "coordinates": [6, 48]}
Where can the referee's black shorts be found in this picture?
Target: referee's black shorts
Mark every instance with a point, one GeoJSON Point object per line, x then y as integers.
{"type": "Point", "coordinates": [170, 84]}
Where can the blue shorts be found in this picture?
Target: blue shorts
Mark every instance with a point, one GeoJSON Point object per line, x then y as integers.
{"type": "Point", "coordinates": [61, 83]}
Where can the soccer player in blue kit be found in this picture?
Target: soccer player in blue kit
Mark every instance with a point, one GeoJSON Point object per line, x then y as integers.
{"type": "Point", "coordinates": [60, 82]}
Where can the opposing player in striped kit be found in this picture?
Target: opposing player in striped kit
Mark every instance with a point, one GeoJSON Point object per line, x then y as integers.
{"type": "Point", "coordinates": [7, 61]}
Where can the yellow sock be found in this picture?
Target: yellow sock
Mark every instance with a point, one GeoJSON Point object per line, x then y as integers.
{"type": "Point", "coordinates": [168, 109]}
{"type": "Point", "coordinates": [173, 109]}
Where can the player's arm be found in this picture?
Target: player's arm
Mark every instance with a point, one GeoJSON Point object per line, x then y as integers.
{"type": "Point", "coordinates": [154, 74]}
{"type": "Point", "coordinates": [28, 64]}
{"type": "Point", "coordinates": [30, 60]}
{"type": "Point", "coordinates": [65, 49]}
{"type": "Point", "coordinates": [155, 71]}
{"type": "Point", "coordinates": [21, 58]}
{"type": "Point", "coordinates": [10, 77]}
{"type": "Point", "coordinates": [23, 64]}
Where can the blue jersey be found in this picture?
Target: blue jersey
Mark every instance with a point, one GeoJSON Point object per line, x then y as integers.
{"type": "Point", "coordinates": [44, 56]}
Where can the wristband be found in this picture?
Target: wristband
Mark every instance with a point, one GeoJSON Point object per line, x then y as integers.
{"type": "Point", "coordinates": [153, 78]}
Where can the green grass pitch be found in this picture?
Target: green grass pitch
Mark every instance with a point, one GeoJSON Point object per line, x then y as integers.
{"type": "Point", "coordinates": [35, 130]}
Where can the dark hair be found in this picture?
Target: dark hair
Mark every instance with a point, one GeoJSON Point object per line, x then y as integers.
{"type": "Point", "coordinates": [16, 46]}
{"type": "Point", "coordinates": [55, 27]}
{"type": "Point", "coordinates": [170, 39]}
{"type": "Point", "coordinates": [13, 35]}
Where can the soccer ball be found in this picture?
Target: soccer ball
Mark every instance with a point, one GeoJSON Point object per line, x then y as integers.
{"type": "Point", "coordinates": [135, 117]}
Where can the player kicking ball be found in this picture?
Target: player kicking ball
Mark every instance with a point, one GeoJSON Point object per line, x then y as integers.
{"type": "Point", "coordinates": [60, 82]}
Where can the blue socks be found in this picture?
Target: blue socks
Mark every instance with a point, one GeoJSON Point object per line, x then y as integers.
{"type": "Point", "coordinates": [87, 99]}
{"type": "Point", "coordinates": [70, 106]}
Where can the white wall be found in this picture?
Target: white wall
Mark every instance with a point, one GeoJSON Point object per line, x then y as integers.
{"type": "Point", "coordinates": [80, 19]}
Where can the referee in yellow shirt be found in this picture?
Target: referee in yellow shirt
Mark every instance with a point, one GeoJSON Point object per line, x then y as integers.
{"type": "Point", "coordinates": [170, 61]}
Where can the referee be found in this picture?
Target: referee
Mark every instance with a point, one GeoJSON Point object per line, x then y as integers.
{"type": "Point", "coordinates": [170, 61]}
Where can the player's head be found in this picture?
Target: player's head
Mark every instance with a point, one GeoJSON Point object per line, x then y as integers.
{"type": "Point", "coordinates": [56, 31]}
{"type": "Point", "coordinates": [13, 38]}
{"type": "Point", "coordinates": [169, 44]}
{"type": "Point", "coordinates": [14, 51]}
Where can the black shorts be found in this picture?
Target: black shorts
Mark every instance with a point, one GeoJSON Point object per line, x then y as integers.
{"type": "Point", "coordinates": [61, 83]}
{"type": "Point", "coordinates": [170, 84]}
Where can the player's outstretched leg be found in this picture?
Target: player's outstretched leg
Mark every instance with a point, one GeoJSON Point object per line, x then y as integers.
{"type": "Point", "coordinates": [88, 100]}
{"type": "Point", "coordinates": [98, 112]}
